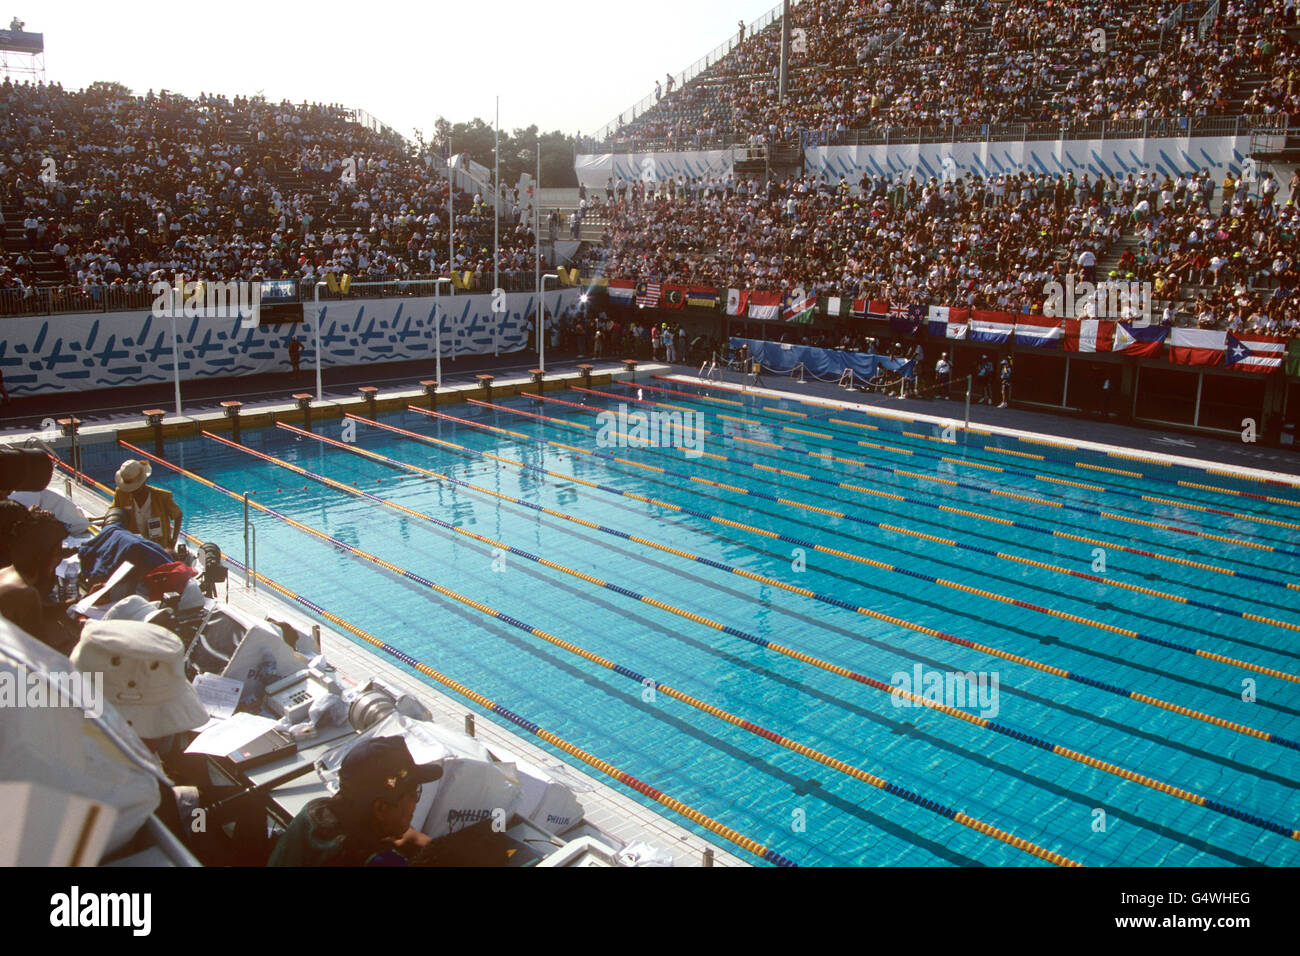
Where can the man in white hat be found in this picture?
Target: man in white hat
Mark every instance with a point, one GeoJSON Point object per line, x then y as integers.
{"type": "Point", "coordinates": [144, 677]}
{"type": "Point", "coordinates": [152, 512]}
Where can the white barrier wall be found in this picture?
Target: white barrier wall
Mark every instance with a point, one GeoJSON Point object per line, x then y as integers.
{"type": "Point", "coordinates": [86, 351]}
{"type": "Point", "coordinates": [595, 170]}
{"type": "Point", "coordinates": [1094, 157]}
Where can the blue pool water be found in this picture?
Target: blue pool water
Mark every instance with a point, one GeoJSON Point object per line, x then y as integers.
{"type": "Point", "coordinates": [803, 810]}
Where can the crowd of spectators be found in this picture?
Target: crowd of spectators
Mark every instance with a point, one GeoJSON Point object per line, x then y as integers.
{"type": "Point", "coordinates": [1222, 255]}
{"type": "Point", "coordinates": [123, 190]}
{"type": "Point", "coordinates": [875, 64]}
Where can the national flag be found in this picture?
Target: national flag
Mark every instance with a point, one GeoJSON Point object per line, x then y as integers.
{"type": "Point", "coordinates": [905, 319]}
{"type": "Point", "coordinates": [1089, 335]}
{"type": "Point", "coordinates": [996, 328]}
{"type": "Point", "coordinates": [674, 297]}
{"type": "Point", "coordinates": [698, 297]}
{"type": "Point", "coordinates": [1197, 346]}
{"type": "Point", "coordinates": [1144, 341]}
{"type": "Point", "coordinates": [1248, 352]}
{"type": "Point", "coordinates": [834, 305]}
{"type": "Point", "coordinates": [647, 294]}
{"type": "Point", "coordinates": [877, 309]}
{"type": "Point", "coordinates": [1039, 331]}
{"type": "Point", "coordinates": [859, 309]}
{"type": "Point", "coordinates": [799, 307]}
{"type": "Point", "coordinates": [622, 291]}
{"type": "Point", "coordinates": [1293, 358]}
{"type": "Point", "coordinates": [737, 301]}
{"type": "Point", "coordinates": [765, 306]}
{"type": "Point", "coordinates": [943, 322]}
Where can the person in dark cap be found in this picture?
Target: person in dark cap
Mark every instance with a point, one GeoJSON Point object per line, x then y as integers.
{"type": "Point", "coordinates": [368, 822]}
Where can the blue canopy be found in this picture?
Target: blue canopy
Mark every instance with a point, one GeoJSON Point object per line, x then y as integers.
{"type": "Point", "coordinates": [821, 363]}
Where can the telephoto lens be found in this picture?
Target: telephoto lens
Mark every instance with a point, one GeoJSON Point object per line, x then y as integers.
{"type": "Point", "coordinates": [371, 706]}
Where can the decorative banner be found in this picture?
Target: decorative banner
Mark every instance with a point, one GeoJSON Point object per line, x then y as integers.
{"type": "Point", "coordinates": [765, 306]}
{"type": "Point", "coordinates": [1248, 352]}
{"type": "Point", "coordinates": [673, 297]}
{"type": "Point", "coordinates": [701, 298]}
{"type": "Point", "coordinates": [622, 292]}
{"type": "Point", "coordinates": [1197, 346]}
{"type": "Point", "coordinates": [737, 301]}
{"type": "Point", "coordinates": [647, 294]}
{"type": "Point", "coordinates": [79, 352]}
{"type": "Point", "coordinates": [995, 328]}
{"type": "Point", "coordinates": [1039, 331]}
{"type": "Point", "coordinates": [1089, 335]}
{"type": "Point", "coordinates": [948, 323]}
{"type": "Point", "coordinates": [1144, 341]}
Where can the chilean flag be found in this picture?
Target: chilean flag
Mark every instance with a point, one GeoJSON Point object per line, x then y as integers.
{"type": "Point", "coordinates": [1144, 341]}
{"type": "Point", "coordinates": [622, 292]}
{"type": "Point", "coordinates": [1089, 335]}
{"type": "Point", "coordinates": [992, 327]}
{"type": "Point", "coordinates": [1197, 346]}
{"type": "Point", "coordinates": [1039, 331]}
{"type": "Point", "coordinates": [1248, 352]}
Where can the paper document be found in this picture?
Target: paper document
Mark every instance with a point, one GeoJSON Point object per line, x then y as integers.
{"type": "Point", "coordinates": [231, 734]}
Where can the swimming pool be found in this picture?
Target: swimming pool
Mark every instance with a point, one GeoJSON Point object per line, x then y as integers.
{"type": "Point", "coordinates": [1125, 712]}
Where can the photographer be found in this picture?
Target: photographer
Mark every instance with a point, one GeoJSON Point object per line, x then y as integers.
{"type": "Point", "coordinates": [152, 512]}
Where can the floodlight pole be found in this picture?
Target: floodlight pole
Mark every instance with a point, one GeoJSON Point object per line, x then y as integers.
{"type": "Point", "coordinates": [176, 365]}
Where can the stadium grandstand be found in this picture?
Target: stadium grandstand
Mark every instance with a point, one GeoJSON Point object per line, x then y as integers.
{"type": "Point", "coordinates": [913, 481]}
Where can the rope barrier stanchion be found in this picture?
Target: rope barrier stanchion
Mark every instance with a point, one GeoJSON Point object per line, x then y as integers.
{"type": "Point", "coordinates": [767, 734]}
{"type": "Point", "coordinates": [918, 575]}
{"type": "Point", "coordinates": [1117, 514]}
{"type": "Point", "coordinates": [750, 575]}
{"type": "Point", "coordinates": [1127, 455]}
{"type": "Point", "coordinates": [642, 680]}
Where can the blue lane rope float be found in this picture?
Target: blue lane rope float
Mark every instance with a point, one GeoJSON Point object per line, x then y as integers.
{"type": "Point", "coordinates": [894, 569]}
{"type": "Point", "coordinates": [765, 733]}
{"type": "Point", "coordinates": [900, 529]}
{"type": "Point", "coordinates": [983, 466]}
{"type": "Point", "coordinates": [716, 712]}
{"type": "Point", "coordinates": [938, 506]}
{"type": "Point", "coordinates": [750, 575]}
{"type": "Point", "coordinates": [1127, 455]}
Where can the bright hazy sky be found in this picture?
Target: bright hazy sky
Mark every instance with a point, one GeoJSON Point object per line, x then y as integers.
{"type": "Point", "coordinates": [573, 70]}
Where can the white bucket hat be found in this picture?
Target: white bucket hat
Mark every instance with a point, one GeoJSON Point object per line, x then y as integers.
{"type": "Point", "coordinates": [133, 474]}
{"type": "Point", "coordinates": [144, 675]}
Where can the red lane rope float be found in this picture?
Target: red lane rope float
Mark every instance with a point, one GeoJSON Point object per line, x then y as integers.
{"type": "Point", "coordinates": [879, 685]}
{"type": "Point", "coordinates": [883, 566]}
{"type": "Point", "coordinates": [494, 707]}
{"type": "Point", "coordinates": [1130, 455]}
{"type": "Point", "coordinates": [899, 529]}
{"type": "Point", "coordinates": [758, 730]}
{"type": "Point", "coordinates": [669, 691]}
{"type": "Point", "coordinates": [979, 516]}
{"type": "Point", "coordinates": [1050, 479]}
{"type": "Point", "coordinates": [750, 575]}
